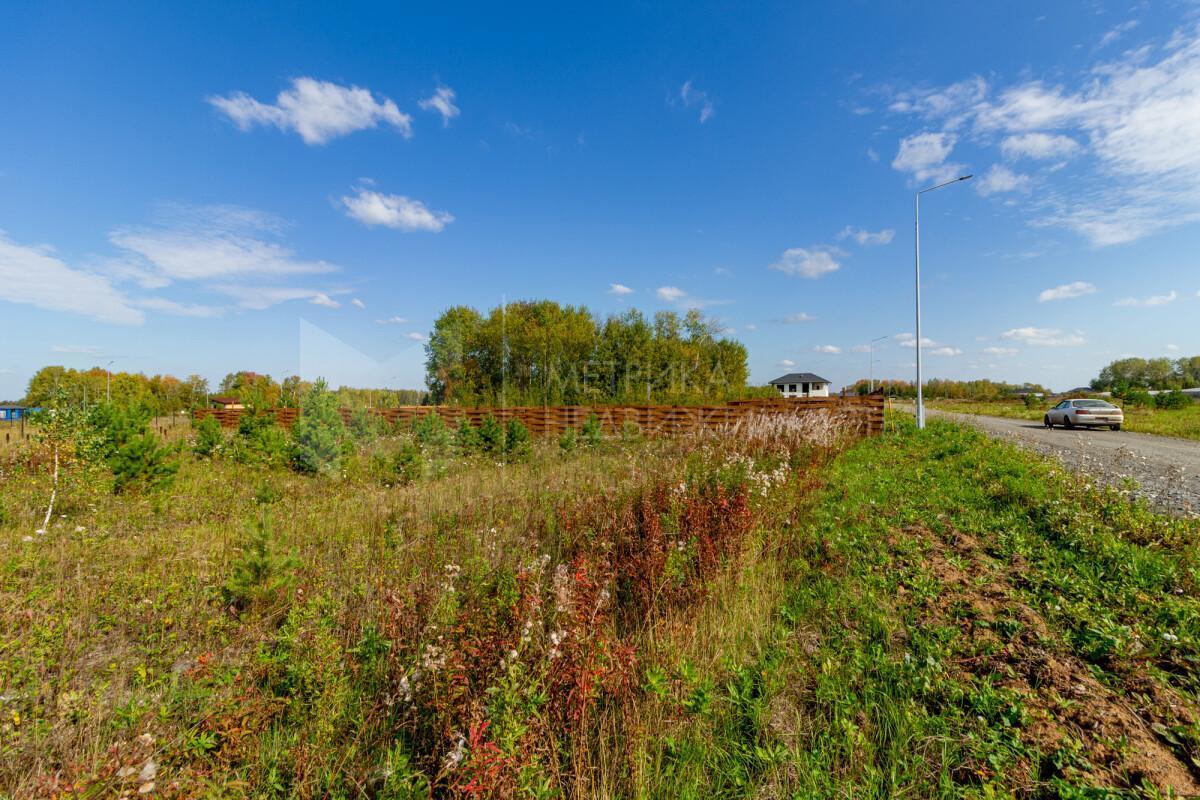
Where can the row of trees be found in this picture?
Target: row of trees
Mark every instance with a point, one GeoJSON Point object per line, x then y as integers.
{"type": "Point", "coordinates": [544, 353]}
{"type": "Point", "coordinates": [943, 389]}
{"type": "Point", "coordinates": [166, 394]}
{"type": "Point", "coordinates": [1148, 373]}
{"type": "Point", "coordinates": [161, 394]}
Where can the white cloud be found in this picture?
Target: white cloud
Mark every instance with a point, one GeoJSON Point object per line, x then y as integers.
{"type": "Point", "coordinates": [795, 319]}
{"type": "Point", "coordinates": [1139, 115]}
{"type": "Point", "coordinates": [828, 349]}
{"type": "Point", "coordinates": [751, 327]}
{"type": "Point", "coordinates": [260, 297]}
{"type": "Point", "coordinates": [392, 321]}
{"type": "Point", "coordinates": [358, 303]}
{"type": "Point", "coordinates": [1038, 146]}
{"type": "Point", "coordinates": [1153, 300]}
{"type": "Point", "coordinates": [619, 289]}
{"type": "Point", "coordinates": [324, 300]}
{"type": "Point", "coordinates": [952, 103]}
{"type": "Point", "coordinates": [1067, 291]}
{"type": "Point", "coordinates": [77, 349]}
{"type": "Point", "coordinates": [415, 336]}
{"type": "Point", "coordinates": [865, 237]}
{"type": "Point", "coordinates": [690, 96]}
{"type": "Point", "coordinates": [872, 154]}
{"type": "Point", "coordinates": [927, 345]}
{"type": "Point", "coordinates": [441, 102]}
{"type": "Point", "coordinates": [198, 243]}
{"type": "Point", "coordinates": [175, 308]}
{"type": "Point", "coordinates": [811, 263]}
{"type": "Point", "coordinates": [670, 294]}
{"type": "Point", "coordinates": [394, 211]}
{"type": "Point", "coordinates": [1172, 348]}
{"type": "Point", "coordinates": [1000, 179]}
{"type": "Point", "coordinates": [34, 276]}
{"type": "Point", "coordinates": [787, 363]}
{"type": "Point", "coordinates": [924, 155]}
{"type": "Point", "coordinates": [1000, 351]}
{"type": "Point", "coordinates": [861, 348]}
{"type": "Point", "coordinates": [1043, 337]}
{"type": "Point", "coordinates": [317, 110]}
{"type": "Point", "coordinates": [1116, 33]}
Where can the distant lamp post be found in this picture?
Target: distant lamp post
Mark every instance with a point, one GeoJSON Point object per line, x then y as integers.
{"type": "Point", "coordinates": [917, 218]}
{"type": "Point", "coordinates": [871, 362]}
{"type": "Point", "coordinates": [108, 383]}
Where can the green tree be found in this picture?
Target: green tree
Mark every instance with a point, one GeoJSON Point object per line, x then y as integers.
{"type": "Point", "coordinates": [319, 432]}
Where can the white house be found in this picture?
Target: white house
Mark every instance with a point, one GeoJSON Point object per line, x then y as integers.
{"type": "Point", "coordinates": [801, 384]}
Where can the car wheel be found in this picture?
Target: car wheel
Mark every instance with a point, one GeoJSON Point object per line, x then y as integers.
{"type": "Point", "coordinates": [1115, 427]}
{"type": "Point", "coordinates": [1067, 422]}
{"type": "Point", "coordinates": [1046, 421]}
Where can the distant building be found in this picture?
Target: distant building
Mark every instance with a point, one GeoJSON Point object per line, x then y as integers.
{"type": "Point", "coordinates": [801, 384]}
{"type": "Point", "coordinates": [225, 401]}
{"type": "Point", "coordinates": [11, 412]}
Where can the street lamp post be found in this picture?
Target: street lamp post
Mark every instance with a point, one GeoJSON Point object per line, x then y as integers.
{"type": "Point", "coordinates": [871, 362]}
{"type": "Point", "coordinates": [108, 383]}
{"type": "Point", "coordinates": [917, 220]}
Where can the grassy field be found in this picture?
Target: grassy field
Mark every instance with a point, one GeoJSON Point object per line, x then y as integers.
{"type": "Point", "coordinates": [1183, 423]}
{"type": "Point", "coordinates": [769, 614]}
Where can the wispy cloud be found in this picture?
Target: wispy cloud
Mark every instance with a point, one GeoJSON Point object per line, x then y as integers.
{"type": "Point", "coordinates": [442, 102]}
{"type": "Point", "coordinates": [1001, 352]}
{"type": "Point", "coordinates": [175, 308]}
{"type": "Point", "coordinates": [620, 289]}
{"type": "Point", "coordinates": [260, 297]}
{"type": "Point", "coordinates": [33, 275]}
{"type": "Point", "coordinates": [358, 303]}
{"type": "Point", "coordinates": [812, 262]}
{"type": "Point", "coordinates": [1043, 337]}
{"type": "Point", "coordinates": [927, 345]}
{"type": "Point", "coordinates": [1000, 179]}
{"type": "Point", "coordinates": [416, 336]}
{"type": "Point", "coordinates": [318, 111]}
{"type": "Point", "coordinates": [924, 155]}
{"type": "Point", "coordinates": [677, 296]}
{"type": "Point", "coordinates": [392, 321]}
{"type": "Point", "coordinates": [393, 211]}
{"type": "Point", "coordinates": [324, 300]}
{"type": "Point", "coordinates": [691, 97]}
{"type": "Point", "coordinates": [1135, 119]}
{"type": "Point", "coordinates": [865, 238]}
{"type": "Point", "coordinates": [787, 363]}
{"type": "Point", "coordinates": [1067, 291]}
{"type": "Point", "coordinates": [76, 349]}
{"type": "Point", "coordinates": [796, 319]}
{"type": "Point", "coordinates": [670, 294]}
{"type": "Point", "coordinates": [827, 349]}
{"type": "Point", "coordinates": [1116, 32]}
{"type": "Point", "coordinates": [1153, 300]}
{"type": "Point", "coordinates": [194, 243]}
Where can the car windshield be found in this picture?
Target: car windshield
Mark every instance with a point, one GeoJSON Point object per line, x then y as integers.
{"type": "Point", "coordinates": [1093, 404]}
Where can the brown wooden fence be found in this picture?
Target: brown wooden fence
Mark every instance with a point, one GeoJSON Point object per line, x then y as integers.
{"type": "Point", "coordinates": [650, 420]}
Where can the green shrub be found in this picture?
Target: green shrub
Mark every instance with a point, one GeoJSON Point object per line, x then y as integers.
{"type": "Point", "coordinates": [1138, 398]}
{"type": "Point", "coordinates": [1172, 400]}
{"type": "Point", "coordinates": [568, 441]}
{"type": "Point", "coordinates": [260, 574]}
{"type": "Point", "coordinates": [408, 464]}
{"type": "Point", "coordinates": [365, 425]}
{"type": "Point", "coordinates": [631, 432]}
{"type": "Point", "coordinates": [592, 432]}
{"type": "Point", "coordinates": [432, 432]}
{"type": "Point", "coordinates": [517, 442]}
{"type": "Point", "coordinates": [466, 438]}
{"type": "Point", "coordinates": [267, 493]}
{"type": "Point", "coordinates": [209, 437]}
{"type": "Point", "coordinates": [318, 433]}
{"type": "Point", "coordinates": [1032, 401]}
{"type": "Point", "coordinates": [116, 427]}
{"type": "Point", "coordinates": [491, 436]}
{"type": "Point", "coordinates": [143, 462]}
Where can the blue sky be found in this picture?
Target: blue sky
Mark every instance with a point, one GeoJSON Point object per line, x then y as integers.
{"type": "Point", "coordinates": [278, 187]}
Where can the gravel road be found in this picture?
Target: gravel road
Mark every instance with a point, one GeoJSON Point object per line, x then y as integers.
{"type": "Point", "coordinates": [1166, 470]}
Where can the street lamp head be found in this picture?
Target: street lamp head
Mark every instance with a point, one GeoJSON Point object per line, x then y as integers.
{"type": "Point", "coordinates": [966, 177]}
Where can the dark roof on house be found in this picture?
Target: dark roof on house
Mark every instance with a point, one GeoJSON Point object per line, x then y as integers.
{"type": "Point", "coordinates": [225, 399]}
{"type": "Point", "coordinates": [799, 377]}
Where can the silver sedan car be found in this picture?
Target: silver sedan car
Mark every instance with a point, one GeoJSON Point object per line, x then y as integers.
{"type": "Point", "coordinates": [1081, 412]}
